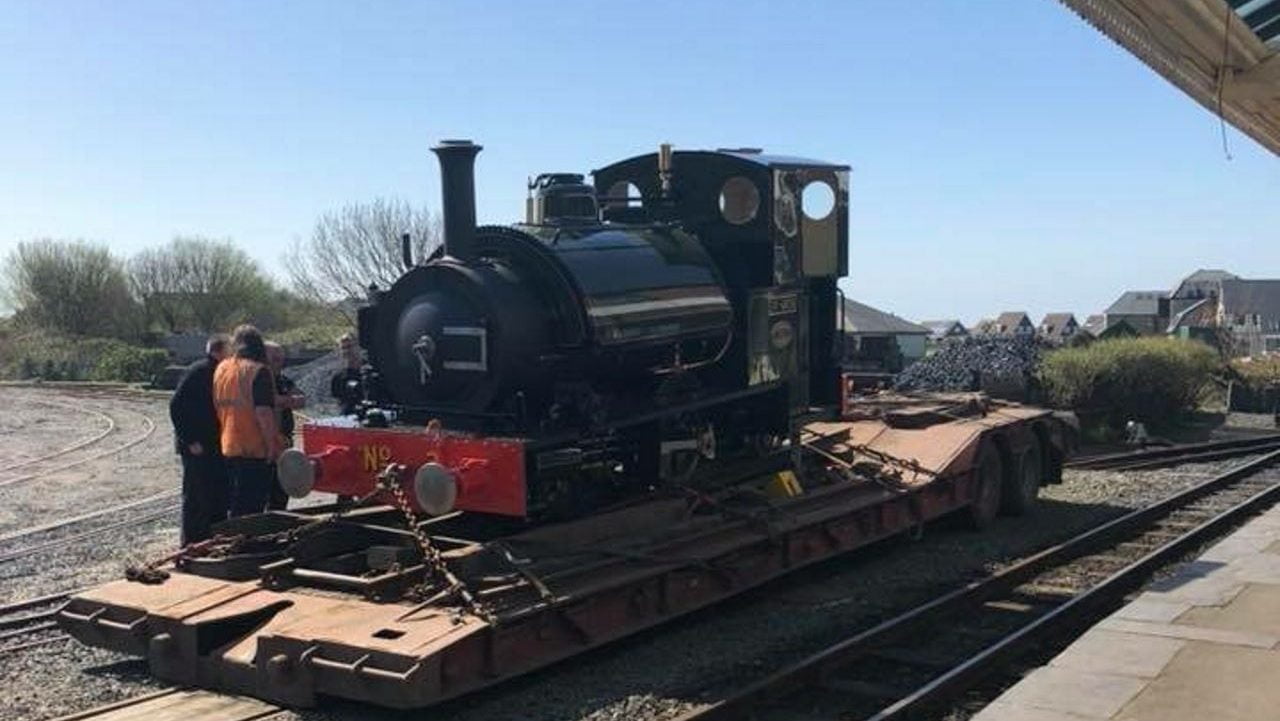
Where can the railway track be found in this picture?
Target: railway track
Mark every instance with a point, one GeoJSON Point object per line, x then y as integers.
{"type": "Point", "coordinates": [19, 544]}
{"type": "Point", "coordinates": [927, 657]}
{"type": "Point", "coordinates": [84, 451]}
{"type": "Point", "coordinates": [1148, 458]}
{"type": "Point", "coordinates": [30, 623]}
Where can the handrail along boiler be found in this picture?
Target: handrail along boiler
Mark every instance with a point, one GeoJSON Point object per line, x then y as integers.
{"type": "Point", "coordinates": [648, 327]}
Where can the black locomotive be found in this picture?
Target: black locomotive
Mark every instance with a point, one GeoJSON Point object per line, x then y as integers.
{"type": "Point", "coordinates": [680, 309]}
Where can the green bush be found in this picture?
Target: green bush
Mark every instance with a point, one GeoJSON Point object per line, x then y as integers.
{"type": "Point", "coordinates": [1153, 380]}
{"type": "Point", "coordinates": [1258, 372]}
{"type": "Point", "coordinates": [129, 364]}
{"type": "Point", "coordinates": [56, 357]}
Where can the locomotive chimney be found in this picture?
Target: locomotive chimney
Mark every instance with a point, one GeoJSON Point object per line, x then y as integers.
{"type": "Point", "coordinates": [458, 196]}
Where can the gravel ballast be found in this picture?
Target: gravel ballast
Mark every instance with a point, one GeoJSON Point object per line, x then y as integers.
{"type": "Point", "coordinates": [652, 676]}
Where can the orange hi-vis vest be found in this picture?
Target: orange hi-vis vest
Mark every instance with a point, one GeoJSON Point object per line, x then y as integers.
{"type": "Point", "coordinates": [240, 434]}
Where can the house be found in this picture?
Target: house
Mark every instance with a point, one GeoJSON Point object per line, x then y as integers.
{"type": "Point", "coordinates": [1119, 329]}
{"type": "Point", "coordinates": [1015, 324]}
{"type": "Point", "coordinates": [941, 330]}
{"type": "Point", "coordinates": [1145, 311]}
{"type": "Point", "coordinates": [1059, 327]}
{"type": "Point", "coordinates": [1250, 310]}
{"type": "Point", "coordinates": [1196, 287]}
{"type": "Point", "coordinates": [1094, 325]}
{"type": "Point", "coordinates": [986, 326]}
{"type": "Point", "coordinates": [874, 336]}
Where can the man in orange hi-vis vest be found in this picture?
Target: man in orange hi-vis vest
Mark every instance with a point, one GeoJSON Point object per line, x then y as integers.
{"type": "Point", "coordinates": [245, 398]}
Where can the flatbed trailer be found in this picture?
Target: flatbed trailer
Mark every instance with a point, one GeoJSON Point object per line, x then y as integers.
{"type": "Point", "coordinates": [293, 606]}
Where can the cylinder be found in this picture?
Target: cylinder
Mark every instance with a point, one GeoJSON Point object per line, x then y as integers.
{"type": "Point", "coordinates": [458, 196]}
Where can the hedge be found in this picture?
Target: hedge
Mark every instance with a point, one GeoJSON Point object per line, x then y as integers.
{"type": "Point", "coordinates": [56, 357]}
{"type": "Point", "coordinates": [1153, 379]}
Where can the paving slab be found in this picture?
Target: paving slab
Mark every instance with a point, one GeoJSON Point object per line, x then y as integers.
{"type": "Point", "coordinates": [1251, 639]}
{"type": "Point", "coordinates": [1202, 644]}
{"type": "Point", "coordinates": [1255, 610]}
{"type": "Point", "coordinates": [1071, 691]}
{"type": "Point", "coordinates": [1210, 682]}
{"type": "Point", "coordinates": [1154, 607]}
{"type": "Point", "coordinates": [1118, 653]}
{"type": "Point", "coordinates": [1010, 712]}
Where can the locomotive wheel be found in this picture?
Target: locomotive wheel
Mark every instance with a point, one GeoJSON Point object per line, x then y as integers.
{"type": "Point", "coordinates": [990, 484]}
{"type": "Point", "coordinates": [1023, 485]}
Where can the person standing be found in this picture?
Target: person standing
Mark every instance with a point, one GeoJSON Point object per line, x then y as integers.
{"type": "Point", "coordinates": [345, 384]}
{"type": "Point", "coordinates": [288, 399]}
{"type": "Point", "coordinates": [245, 398]}
{"type": "Point", "coordinates": [195, 433]}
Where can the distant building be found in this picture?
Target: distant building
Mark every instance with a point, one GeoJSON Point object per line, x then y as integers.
{"type": "Point", "coordinates": [986, 326]}
{"type": "Point", "coordinates": [1196, 287]}
{"type": "Point", "coordinates": [1094, 325]}
{"type": "Point", "coordinates": [1250, 310]}
{"type": "Point", "coordinates": [1059, 327]}
{"type": "Point", "coordinates": [941, 330]}
{"type": "Point", "coordinates": [1013, 324]}
{"type": "Point", "coordinates": [874, 336]}
{"type": "Point", "coordinates": [1145, 311]}
{"type": "Point", "coordinates": [1119, 329]}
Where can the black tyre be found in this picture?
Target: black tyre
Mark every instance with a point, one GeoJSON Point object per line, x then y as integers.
{"type": "Point", "coordinates": [1023, 485]}
{"type": "Point", "coordinates": [990, 487]}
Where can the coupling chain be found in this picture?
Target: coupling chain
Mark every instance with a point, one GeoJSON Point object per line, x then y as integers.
{"type": "Point", "coordinates": [389, 480]}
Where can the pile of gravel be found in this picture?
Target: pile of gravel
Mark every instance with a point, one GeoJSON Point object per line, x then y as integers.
{"type": "Point", "coordinates": [975, 363]}
{"type": "Point", "coordinates": [313, 380]}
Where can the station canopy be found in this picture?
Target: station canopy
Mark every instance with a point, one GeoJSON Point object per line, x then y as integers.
{"type": "Point", "coordinates": [1222, 53]}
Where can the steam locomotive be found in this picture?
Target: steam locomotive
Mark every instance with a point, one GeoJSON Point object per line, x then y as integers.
{"type": "Point", "coordinates": [643, 329]}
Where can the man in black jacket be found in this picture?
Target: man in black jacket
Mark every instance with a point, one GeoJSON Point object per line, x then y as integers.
{"type": "Point", "coordinates": [195, 432]}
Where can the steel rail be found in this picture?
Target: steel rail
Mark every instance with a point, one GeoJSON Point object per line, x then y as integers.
{"type": "Point", "coordinates": [1175, 453]}
{"type": "Point", "coordinates": [40, 600]}
{"type": "Point", "coordinates": [111, 425]}
{"type": "Point", "coordinates": [73, 538]}
{"type": "Point", "coordinates": [148, 424]}
{"type": "Point", "coordinates": [55, 525]}
{"type": "Point", "coordinates": [819, 668]}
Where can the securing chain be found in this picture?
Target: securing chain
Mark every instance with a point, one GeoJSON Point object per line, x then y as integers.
{"type": "Point", "coordinates": [221, 546]}
{"type": "Point", "coordinates": [389, 480]}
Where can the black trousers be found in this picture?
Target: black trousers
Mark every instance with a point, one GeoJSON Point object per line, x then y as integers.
{"type": "Point", "coordinates": [251, 481]}
{"type": "Point", "coordinates": [278, 500]}
{"type": "Point", "coordinates": [204, 495]}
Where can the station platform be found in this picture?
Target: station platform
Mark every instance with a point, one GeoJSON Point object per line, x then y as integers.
{"type": "Point", "coordinates": [1201, 644]}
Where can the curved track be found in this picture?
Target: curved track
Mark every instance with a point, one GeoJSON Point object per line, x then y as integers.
{"type": "Point", "coordinates": [927, 657]}
{"type": "Point", "coordinates": [90, 449]}
{"type": "Point", "coordinates": [110, 426]}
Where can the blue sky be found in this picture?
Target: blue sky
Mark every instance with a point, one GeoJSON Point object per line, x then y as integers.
{"type": "Point", "coordinates": [1005, 155]}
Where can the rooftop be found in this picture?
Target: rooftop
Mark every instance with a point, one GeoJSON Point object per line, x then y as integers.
{"type": "Point", "coordinates": [1138, 302]}
{"type": "Point", "coordinates": [862, 318]}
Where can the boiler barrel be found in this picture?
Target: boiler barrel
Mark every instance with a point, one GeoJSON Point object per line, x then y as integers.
{"type": "Point", "coordinates": [652, 287]}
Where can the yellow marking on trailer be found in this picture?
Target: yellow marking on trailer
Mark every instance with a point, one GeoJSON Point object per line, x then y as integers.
{"type": "Point", "coordinates": [783, 484]}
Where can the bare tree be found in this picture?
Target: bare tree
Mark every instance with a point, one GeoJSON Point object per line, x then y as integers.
{"type": "Point", "coordinates": [196, 283]}
{"type": "Point", "coordinates": [359, 245]}
{"type": "Point", "coordinates": [71, 286]}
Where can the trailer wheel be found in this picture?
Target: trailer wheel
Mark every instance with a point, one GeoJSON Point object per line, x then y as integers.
{"type": "Point", "coordinates": [990, 485]}
{"type": "Point", "coordinates": [1023, 485]}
